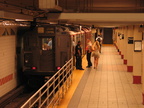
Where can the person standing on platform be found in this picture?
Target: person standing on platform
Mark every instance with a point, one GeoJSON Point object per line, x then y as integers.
{"type": "Point", "coordinates": [99, 39]}
{"type": "Point", "coordinates": [95, 53]}
{"type": "Point", "coordinates": [78, 54]}
{"type": "Point", "coordinates": [89, 50]}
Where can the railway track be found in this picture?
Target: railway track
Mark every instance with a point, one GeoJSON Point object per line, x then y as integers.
{"type": "Point", "coordinates": [15, 98]}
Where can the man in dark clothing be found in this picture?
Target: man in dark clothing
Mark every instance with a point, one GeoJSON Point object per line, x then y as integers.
{"type": "Point", "coordinates": [89, 50]}
{"type": "Point", "coordinates": [78, 54]}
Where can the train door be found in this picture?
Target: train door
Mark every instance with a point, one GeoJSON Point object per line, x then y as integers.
{"type": "Point", "coordinates": [47, 55]}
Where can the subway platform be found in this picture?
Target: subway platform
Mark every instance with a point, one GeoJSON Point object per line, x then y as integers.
{"type": "Point", "coordinates": [108, 86]}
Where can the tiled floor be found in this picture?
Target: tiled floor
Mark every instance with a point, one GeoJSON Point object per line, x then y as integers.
{"type": "Point", "coordinates": [110, 86]}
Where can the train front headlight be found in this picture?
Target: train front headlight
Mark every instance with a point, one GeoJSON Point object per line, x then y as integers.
{"type": "Point", "coordinates": [26, 61]}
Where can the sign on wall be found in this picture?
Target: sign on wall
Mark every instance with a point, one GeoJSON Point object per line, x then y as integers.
{"type": "Point", "coordinates": [137, 46]}
{"type": "Point", "coordinates": [130, 40]}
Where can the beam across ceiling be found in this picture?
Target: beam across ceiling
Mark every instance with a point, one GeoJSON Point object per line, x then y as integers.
{"type": "Point", "coordinates": [99, 18]}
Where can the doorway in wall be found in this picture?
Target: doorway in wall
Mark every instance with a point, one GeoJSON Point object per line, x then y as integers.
{"type": "Point", "coordinates": [107, 36]}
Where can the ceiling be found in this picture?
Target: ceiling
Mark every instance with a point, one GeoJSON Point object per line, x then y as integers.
{"type": "Point", "coordinates": [103, 6]}
{"type": "Point", "coordinates": [100, 13]}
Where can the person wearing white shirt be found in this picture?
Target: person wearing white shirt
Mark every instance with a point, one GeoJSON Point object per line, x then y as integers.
{"type": "Point", "coordinates": [99, 39]}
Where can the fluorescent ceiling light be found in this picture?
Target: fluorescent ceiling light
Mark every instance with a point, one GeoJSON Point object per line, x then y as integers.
{"type": "Point", "coordinates": [21, 20]}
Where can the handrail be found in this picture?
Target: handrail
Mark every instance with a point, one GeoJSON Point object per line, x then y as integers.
{"type": "Point", "coordinates": [50, 94]}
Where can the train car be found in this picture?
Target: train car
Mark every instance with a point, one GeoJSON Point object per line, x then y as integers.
{"type": "Point", "coordinates": [46, 49]}
{"type": "Point", "coordinates": [79, 33]}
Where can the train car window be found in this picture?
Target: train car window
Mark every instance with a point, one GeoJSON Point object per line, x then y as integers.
{"type": "Point", "coordinates": [47, 44]}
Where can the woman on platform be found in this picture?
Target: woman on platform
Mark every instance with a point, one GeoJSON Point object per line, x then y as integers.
{"type": "Point", "coordinates": [96, 53]}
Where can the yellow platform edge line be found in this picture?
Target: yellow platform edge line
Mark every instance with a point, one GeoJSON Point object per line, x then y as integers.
{"type": "Point", "coordinates": [77, 75]}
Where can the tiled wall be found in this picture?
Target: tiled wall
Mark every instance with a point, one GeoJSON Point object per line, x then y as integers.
{"type": "Point", "coordinates": [7, 59]}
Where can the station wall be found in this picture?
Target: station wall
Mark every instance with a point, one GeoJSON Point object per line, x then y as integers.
{"type": "Point", "coordinates": [8, 79]}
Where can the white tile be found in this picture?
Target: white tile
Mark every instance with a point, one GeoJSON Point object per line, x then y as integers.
{"type": "Point", "coordinates": [111, 85]}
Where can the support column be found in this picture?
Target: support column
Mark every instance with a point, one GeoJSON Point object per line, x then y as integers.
{"type": "Point", "coordinates": [143, 70]}
{"type": "Point", "coordinates": [125, 45]}
{"type": "Point", "coordinates": [118, 41]}
{"type": "Point", "coordinates": [137, 58]}
{"type": "Point", "coordinates": [122, 42]}
{"type": "Point", "coordinates": [115, 38]}
{"type": "Point", "coordinates": [130, 48]}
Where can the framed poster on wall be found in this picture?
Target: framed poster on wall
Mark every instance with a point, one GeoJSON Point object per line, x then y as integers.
{"type": "Point", "coordinates": [130, 40]}
{"type": "Point", "coordinates": [137, 45]}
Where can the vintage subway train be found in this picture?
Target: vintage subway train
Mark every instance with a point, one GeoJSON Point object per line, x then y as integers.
{"type": "Point", "coordinates": [46, 48]}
